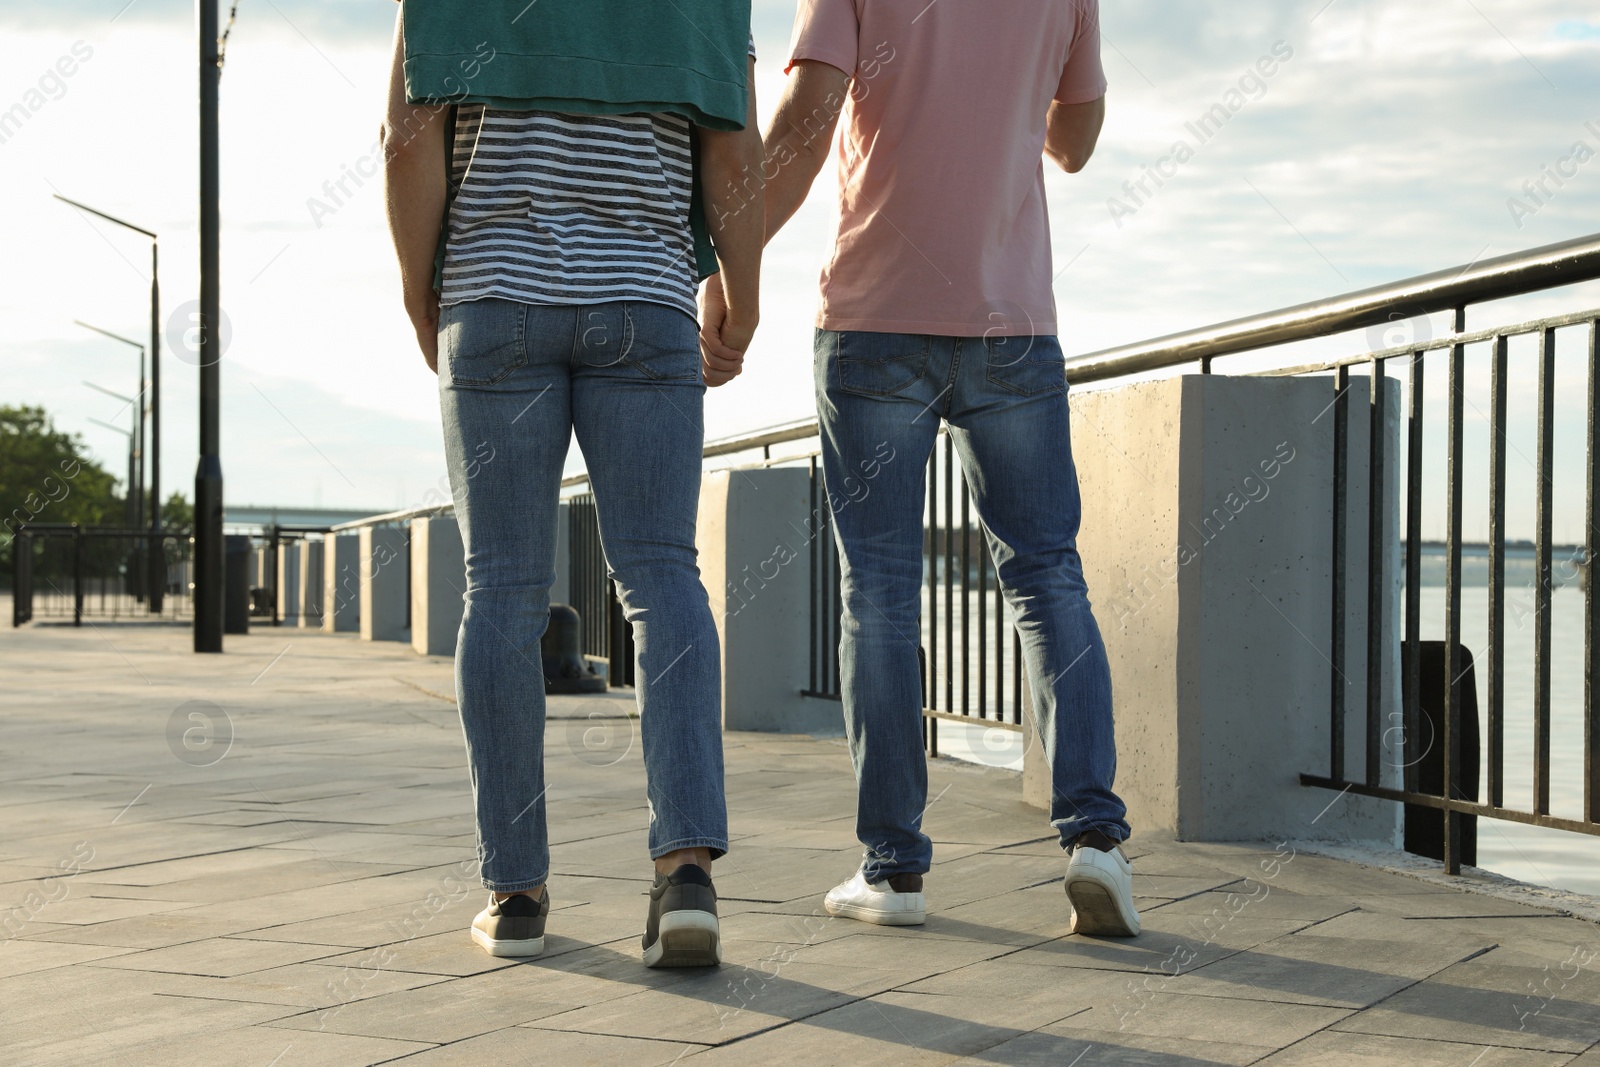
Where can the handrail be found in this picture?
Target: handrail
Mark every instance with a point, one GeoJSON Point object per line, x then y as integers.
{"type": "Point", "coordinates": [1566, 263]}
{"type": "Point", "coordinates": [392, 516]}
{"type": "Point", "coordinates": [1546, 267]}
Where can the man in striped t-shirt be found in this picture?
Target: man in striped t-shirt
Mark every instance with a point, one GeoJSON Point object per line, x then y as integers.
{"type": "Point", "coordinates": [567, 306]}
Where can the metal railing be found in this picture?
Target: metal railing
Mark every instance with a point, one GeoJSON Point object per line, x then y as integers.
{"type": "Point", "coordinates": [64, 571]}
{"type": "Point", "coordinates": [1452, 291]}
{"type": "Point", "coordinates": [593, 595]}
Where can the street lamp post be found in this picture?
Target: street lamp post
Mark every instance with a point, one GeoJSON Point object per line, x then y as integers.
{"type": "Point", "coordinates": [208, 560]}
{"type": "Point", "coordinates": [158, 570]}
{"type": "Point", "coordinates": [136, 491]}
{"type": "Point", "coordinates": [128, 515]}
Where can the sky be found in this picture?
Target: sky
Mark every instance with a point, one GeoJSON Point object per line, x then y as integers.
{"type": "Point", "coordinates": [1390, 143]}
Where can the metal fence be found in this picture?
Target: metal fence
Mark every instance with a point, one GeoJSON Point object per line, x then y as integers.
{"type": "Point", "coordinates": [970, 652]}
{"type": "Point", "coordinates": [70, 573]}
{"type": "Point", "coordinates": [606, 633]}
{"type": "Point", "coordinates": [1454, 793]}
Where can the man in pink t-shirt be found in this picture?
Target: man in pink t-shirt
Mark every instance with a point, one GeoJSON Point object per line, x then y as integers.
{"type": "Point", "coordinates": [937, 304]}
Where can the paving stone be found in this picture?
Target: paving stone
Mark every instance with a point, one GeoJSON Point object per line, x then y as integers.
{"type": "Point", "coordinates": [305, 985]}
{"type": "Point", "coordinates": [1265, 903]}
{"type": "Point", "coordinates": [139, 931]}
{"type": "Point", "coordinates": [83, 910]}
{"type": "Point", "coordinates": [271, 1046]}
{"type": "Point", "coordinates": [911, 957]}
{"type": "Point", "coordinates": [1502, 997]}
{"type": "Point", "coordinates": [19, 956]}
{"type": "Point", "coordinates": [898, 1028]}
{"type": "Point", "coordinates": [1321, 970]}
{"type": "Point", "coordinates": [533, 1047]}
{"type": "Point", "coordinates": [1062, 1045]}
{"type": "Point", "coordinates": [86, 1014]}
{"type": "Point", "coordinates": [441, 1012]}
{"type": "Point", "coordinates": [1157, 1012]}
{"type": "Point", "coordinates": [1026, 987]}
{"type": "Point", "coordinates": [713, 1007]}
{"type": "Point", "coordinates": [1363, 1050]}
{"type": "Point", "coordinates": [221, 957]}
{"type": "Point", "coordinates": [1166, 945]}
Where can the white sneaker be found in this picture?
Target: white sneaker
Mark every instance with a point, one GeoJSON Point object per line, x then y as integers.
{"type": "Point", "coordinates": [1100, 887]}
{"type": "Point", "coordinates": [875, 902]}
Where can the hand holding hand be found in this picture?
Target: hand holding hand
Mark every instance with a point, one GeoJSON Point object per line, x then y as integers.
{"type": "Point", "coordinates": [724, 335]}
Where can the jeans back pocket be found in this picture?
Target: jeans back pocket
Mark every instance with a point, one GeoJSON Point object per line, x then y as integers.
{"type": "Point", "coordinates": [881, 364]}
{"type": "Point", "coordinates": [1026, 364]}
{"type": "Point", "coordinates": [481, 341]}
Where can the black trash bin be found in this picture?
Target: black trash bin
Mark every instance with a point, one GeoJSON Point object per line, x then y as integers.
{"type": "Point", "coordinates": [236, 584]}
{"type": "Point", "coordinates": [565, 668]}
{"type": "Point", "coordinates": [1424, 826]}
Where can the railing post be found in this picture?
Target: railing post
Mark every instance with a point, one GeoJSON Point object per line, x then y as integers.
{"type": "Point", "coordinates": [21, 577]}
{"type": "Point", "coordinates": [1591, 602]}
{"type": "Point", "coordinates": [1452, 593]}
{"type": "Point", "coordinates": [272, 568]}
{"type": "Point", "coordinates": [77, 575]}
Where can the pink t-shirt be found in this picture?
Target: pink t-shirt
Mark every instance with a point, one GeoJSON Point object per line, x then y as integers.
{"type": "Point", "coordinates": [942, 220]}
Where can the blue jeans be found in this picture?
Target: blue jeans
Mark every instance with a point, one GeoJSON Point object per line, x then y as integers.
{"type": "Point", "coordinates": [1005, 401]}
{"type": "Point", "coordinates": [515, 382]}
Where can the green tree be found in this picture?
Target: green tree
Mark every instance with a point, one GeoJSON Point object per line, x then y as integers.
{"type": "Point", "coordinates": [47, 476]}
{"type": "Point", "coordinates": [176, 513]}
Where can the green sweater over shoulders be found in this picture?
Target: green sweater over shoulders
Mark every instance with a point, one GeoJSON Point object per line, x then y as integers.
{"type": "Point", "coordinates": [586, 57]}
{"type": "Point", "coordinates": [591, 57]}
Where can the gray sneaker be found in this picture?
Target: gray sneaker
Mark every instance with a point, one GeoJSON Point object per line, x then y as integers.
{"type": "Point", "coordinates": [513, 926]}
{"type": "Point", "coordinates": [681, 929]}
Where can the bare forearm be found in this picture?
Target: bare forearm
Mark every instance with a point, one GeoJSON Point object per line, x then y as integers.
{"type": "Point", "coordinates": [793, 169]}
{"type": "Point", "coordinates": [414, 198]}
{"type": "Point", "coordinates": [801, 136]}
{"type": "Point", "coordinates": [740, 231]}
{"type": "Point", "coordinates": [735, 207]}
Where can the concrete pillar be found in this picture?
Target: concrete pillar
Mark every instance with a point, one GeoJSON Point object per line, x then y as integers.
{"type": "Point", "coordinates": [438, 583]}
{"type": "Point", "coordinates": [341, 583]}
{"type": "Point", "coordinates": [754, 536]}
{"type": "Point", "coordinates": [561, 589]}
{"type": "Point", "coordinates": [384, 578]}
{"type": "Point", "coordinates": [1206, 541]}
{"type": "Point", "coordinates": [311, 584]}
{"type": "Point", "coordinates": [288, 583]}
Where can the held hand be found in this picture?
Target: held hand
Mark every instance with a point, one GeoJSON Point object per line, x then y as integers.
{"type": "Point", "coordinates": [424, 313]}
{"type": "Point", "coordinates": [722, 339]}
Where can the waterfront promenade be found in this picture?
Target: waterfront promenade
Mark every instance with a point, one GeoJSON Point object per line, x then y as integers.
{"type": "Point", "coordinates": [264, 858]}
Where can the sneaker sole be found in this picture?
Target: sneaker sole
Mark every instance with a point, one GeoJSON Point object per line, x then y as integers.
{"type": "Point", "coordinates": [686, 939]}
{"type": "Point", "coordinates": [1097, 911]}
{"type": "Point", "coordinates": [874, 915]}
{"type": "Point", "coordinates": [531, 946]}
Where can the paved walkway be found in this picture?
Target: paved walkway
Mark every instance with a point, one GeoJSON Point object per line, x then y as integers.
{"type": "Point", "coordinates": [263, 858]}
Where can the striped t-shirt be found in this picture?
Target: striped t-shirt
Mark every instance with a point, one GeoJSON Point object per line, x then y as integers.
{"type": "Point", "coordinates": [570, 209]}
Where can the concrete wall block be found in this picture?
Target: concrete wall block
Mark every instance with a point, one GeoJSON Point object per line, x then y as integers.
{"type": "Point", "coordinates": [312, 584]}
{"type": "Point", "coordinates": [561, 588]}
{"type": "Point", "coordinates": [755, 531]}
{"type": "Point", "coordinates": [384, 581]}
{"type": "Point", "coordinates": [1207, 545]}
{"type": "Point", "coordinates": [288, 585]}
{"type": "Point", "coordinates": [438, 584]}
{"type": "Point", "coordinates": [341, 583]}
